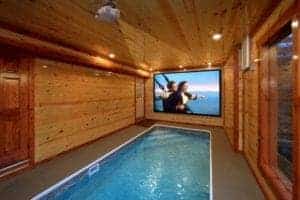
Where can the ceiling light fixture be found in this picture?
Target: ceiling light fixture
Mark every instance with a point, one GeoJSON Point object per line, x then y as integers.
{"type": "Point", "coordinates": [295, 24]}
{"type": "Point", "coordinates": [257, 60]}
{"type": "Point", "coordinates": [217, 36]}
{"type": "Point", "coordinates": [180, 66]}
{"type": "Point", "coordinates": [111, 55]}
{"type": "Point", "coordinates": [295, 57]}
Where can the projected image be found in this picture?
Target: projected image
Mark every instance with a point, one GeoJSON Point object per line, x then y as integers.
{"type": "Point", "coordinates": [196, 92]}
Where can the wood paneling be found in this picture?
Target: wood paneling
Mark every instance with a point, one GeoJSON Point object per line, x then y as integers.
{"type": "Point", "coordinates": [158, 34]}
{"type": "Point", "coordinates": [241, 110]}
{"type": "Point", "coordinates": [231, 108]}
{"type": "Point", "coordinates": [15, 118]}
{"type": "Point", "coordinates": [75, 105]}
{"type": "Point", "coordinates": [139, 99]}
{"type": "Point", "coordinates": [251, 98]}
{"type": "Point", "coordinates": [181, 118]}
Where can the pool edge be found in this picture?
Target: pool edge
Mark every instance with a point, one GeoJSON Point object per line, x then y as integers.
{"type": "Point", "coordinates": [74, 174]}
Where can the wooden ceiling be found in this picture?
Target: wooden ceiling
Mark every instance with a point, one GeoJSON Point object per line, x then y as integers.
{"type": "Point", "coordinates": [157, 34]}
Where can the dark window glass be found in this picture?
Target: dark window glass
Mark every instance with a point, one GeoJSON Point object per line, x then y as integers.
{"type": "Point", "coordinates": [282, 80]}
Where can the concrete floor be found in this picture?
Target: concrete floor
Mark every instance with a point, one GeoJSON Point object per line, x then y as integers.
{"type": "Point", "coordinates": [232, 179]}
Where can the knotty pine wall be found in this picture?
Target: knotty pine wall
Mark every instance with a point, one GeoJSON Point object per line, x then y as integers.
{"type": "Point", "coordinates": [75, 105]}
{"type": "Point", "coordinates": [250, 83]}
{"type": "Point", "coordinates": [229, 100]}
{"type": "Point", "coordinates": [139, 95]}
{"type": "Point", "coordinates": [181, 118]}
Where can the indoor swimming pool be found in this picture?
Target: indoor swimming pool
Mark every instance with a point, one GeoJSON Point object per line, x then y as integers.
{"type": "Point", "coordinates": [161, 163]}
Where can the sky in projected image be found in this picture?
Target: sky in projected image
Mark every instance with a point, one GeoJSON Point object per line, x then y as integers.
{"type": "Point", "coordinates": [204, 84]}
{"type": "Point", "coordinates": [198, 81]}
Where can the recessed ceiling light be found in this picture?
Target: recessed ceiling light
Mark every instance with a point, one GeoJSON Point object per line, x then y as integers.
{"type": "Point", "coordinates": [257, 60]}
{"type": "Point", "coordinates": [295, 57]}
{"type": "Point", "coordinates": [209, 63]}
{"type": "Point", "coordinates": [217, 36]}
{"type": "Point", "coordinates": [45, 66]}
{"type": "Point", "coordinates": [295, 24]}
{"type": "Point", "coordinates": [111, 55]}
{"type": "Point", "coordinates": [180, 66]}
{"type": "Point", "coordinates": [143, 65]}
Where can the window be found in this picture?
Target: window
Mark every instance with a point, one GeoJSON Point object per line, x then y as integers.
{"type": "Point", "coordinates": [281, 65]}
{"type": "Point", "coordinates": [277, 82]}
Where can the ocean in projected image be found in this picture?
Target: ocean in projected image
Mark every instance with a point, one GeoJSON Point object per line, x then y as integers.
{"type": "Point", "coordinates": [201, 95]}
{"type": "Point", "coordinates": [208, 106]}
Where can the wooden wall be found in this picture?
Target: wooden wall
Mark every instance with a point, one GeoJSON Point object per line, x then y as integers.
{"type": "Point", "coordinates": [250, 81]}
{"type": "Point", "coordinates": [139, 99]}
{"type": "Point", "coordinates": [241, 111]}
{"type": "Point", "coordinates": [229, 100]}
{"type": "Point", "coordinates": [181, 118]}
{"type": "Point", "coordinates": [233, 109]}
{"type": "Point", "coordinates": [75, 105]}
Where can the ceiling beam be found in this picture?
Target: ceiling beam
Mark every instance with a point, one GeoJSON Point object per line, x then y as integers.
{"type": "Point", "coordinates": [55, 51]}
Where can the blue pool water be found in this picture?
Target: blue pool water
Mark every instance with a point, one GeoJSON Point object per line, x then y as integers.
{"type": "Point", "coordinates": [164, 163]}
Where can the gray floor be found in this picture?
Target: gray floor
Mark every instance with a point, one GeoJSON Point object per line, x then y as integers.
{"type": "Point", "coordinates": [232, 179]}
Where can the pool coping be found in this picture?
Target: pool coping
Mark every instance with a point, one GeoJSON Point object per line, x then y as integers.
{"type": "Point", "coordinates": [74, 174]}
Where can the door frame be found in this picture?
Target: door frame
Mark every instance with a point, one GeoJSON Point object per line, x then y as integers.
{"type": "Point", "coordinates": [31, 109]}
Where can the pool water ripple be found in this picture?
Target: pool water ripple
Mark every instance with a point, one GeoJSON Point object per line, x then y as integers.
{"type": "Point", "coordinates": [164, 163]}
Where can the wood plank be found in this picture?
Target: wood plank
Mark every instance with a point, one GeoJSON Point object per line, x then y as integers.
{"type": "Point", "coordinates": [75, 105]}
{"type": "Point", "coordinates": [160, 34]}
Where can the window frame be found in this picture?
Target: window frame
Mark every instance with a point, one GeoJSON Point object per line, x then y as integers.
{"type": "Point", "coordinates": [267, 151]}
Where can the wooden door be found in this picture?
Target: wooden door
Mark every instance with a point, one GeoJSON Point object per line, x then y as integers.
{"type": "Point", "coordinates": [14, 112]}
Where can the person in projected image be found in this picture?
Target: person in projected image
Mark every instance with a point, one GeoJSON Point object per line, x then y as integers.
{"type": "Point", "coordinates": [179, 99]}
{"type": "Point", "coordinates": [165, 96]}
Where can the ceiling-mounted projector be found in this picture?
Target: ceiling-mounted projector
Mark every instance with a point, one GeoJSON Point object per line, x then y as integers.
{"type": "Point", "coordinates": [108, 12]}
